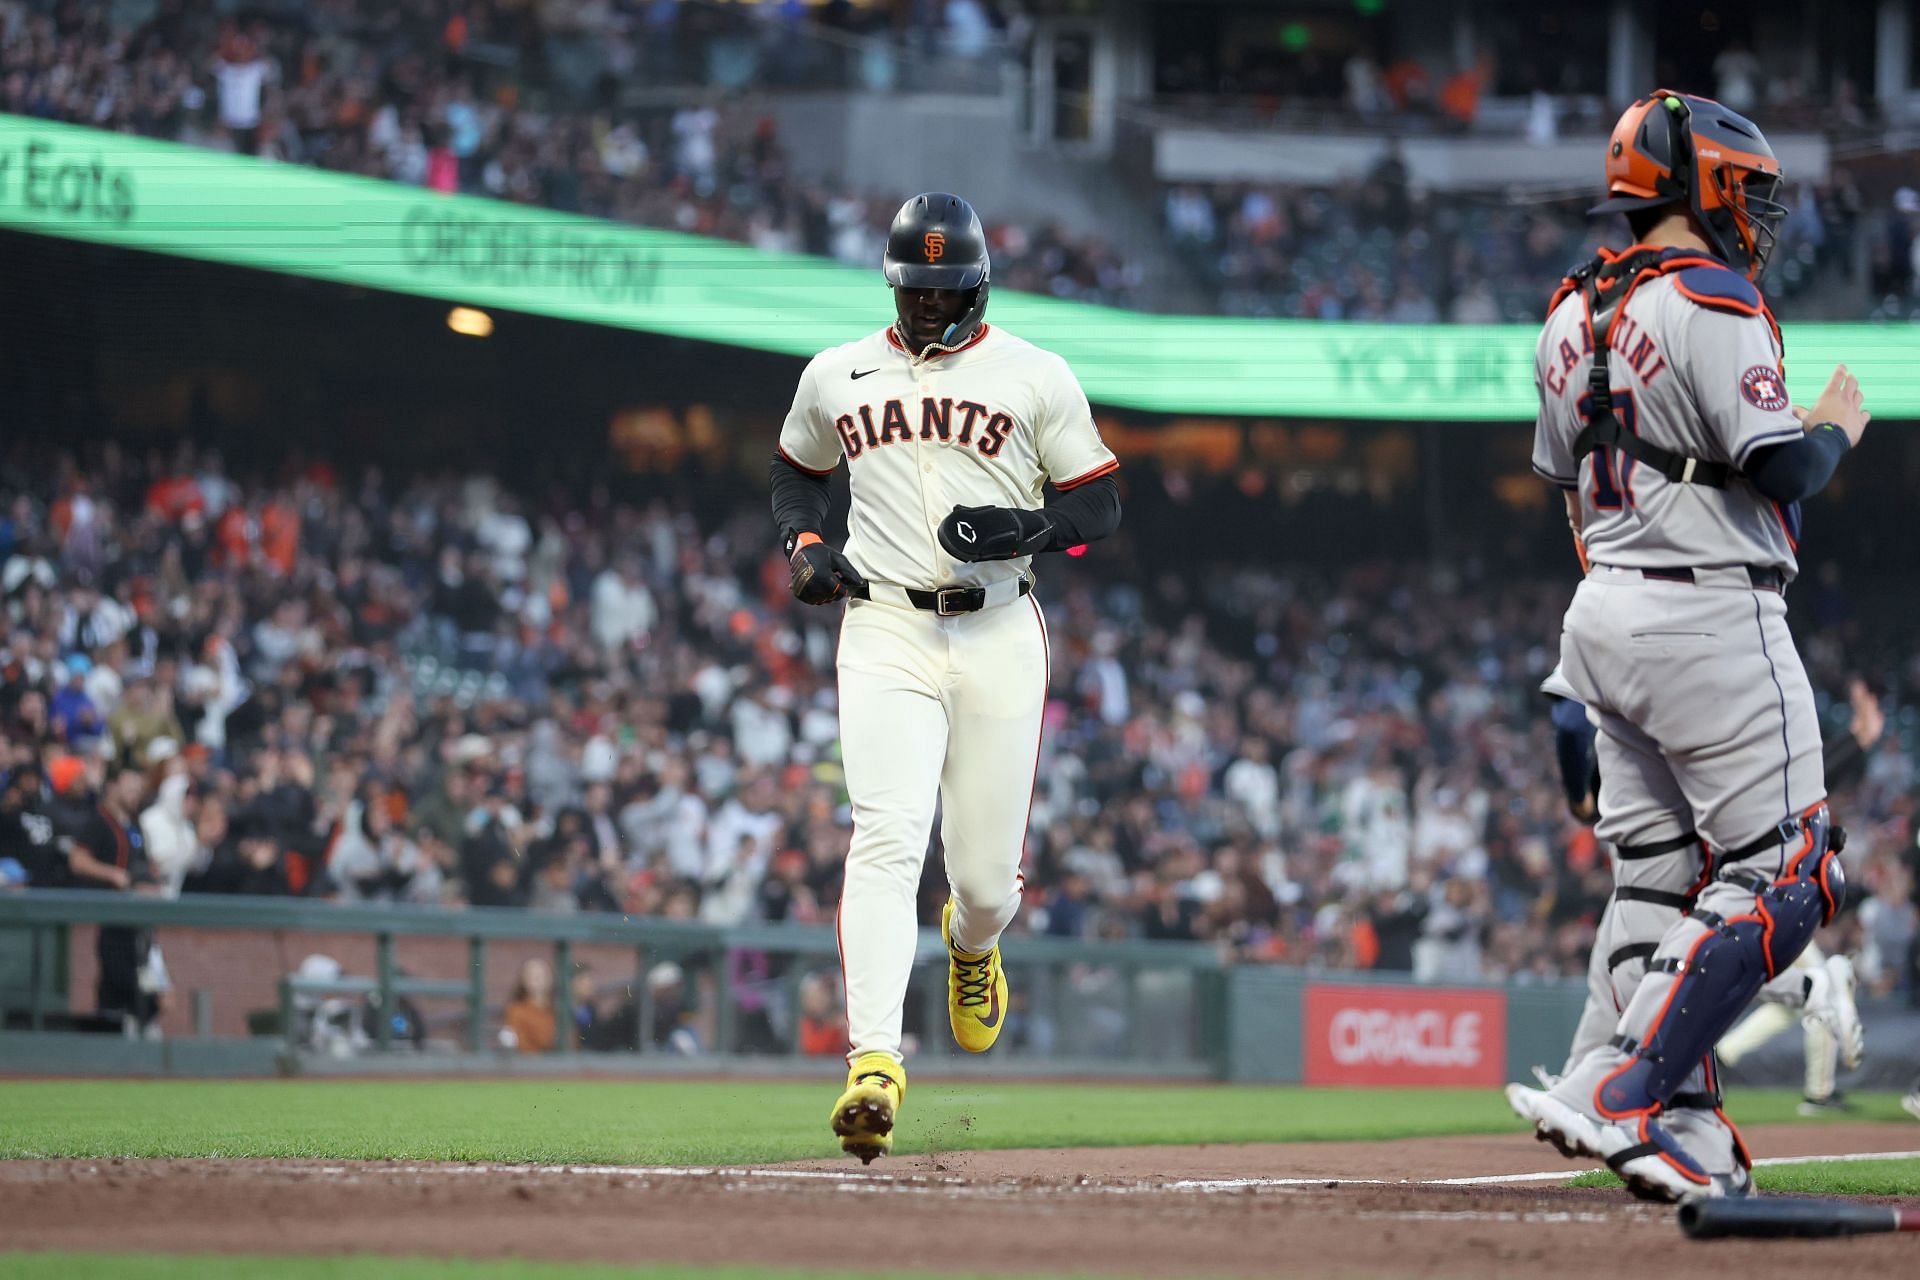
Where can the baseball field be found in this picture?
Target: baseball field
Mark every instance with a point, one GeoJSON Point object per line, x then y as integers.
{"type": "Point", "coordinates": [732, 1178]}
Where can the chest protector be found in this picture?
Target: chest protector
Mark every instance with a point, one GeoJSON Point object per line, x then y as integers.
{"type": "Point", "coordinates": [1604, 285]}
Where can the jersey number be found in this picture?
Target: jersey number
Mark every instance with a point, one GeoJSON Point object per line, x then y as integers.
{"type": "Point", "coordinates": [1612, 477]}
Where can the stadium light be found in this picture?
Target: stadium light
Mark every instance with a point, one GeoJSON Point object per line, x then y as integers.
{"type": "Point", "coordinates": [469, 322]}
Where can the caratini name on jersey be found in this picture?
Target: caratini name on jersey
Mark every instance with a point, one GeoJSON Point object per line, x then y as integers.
{"type": "Point", "coordinates": [1635, 347]}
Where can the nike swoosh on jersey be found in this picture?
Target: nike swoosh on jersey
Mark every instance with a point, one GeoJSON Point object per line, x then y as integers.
{"type": "Point", "coordinates": [861, 373]}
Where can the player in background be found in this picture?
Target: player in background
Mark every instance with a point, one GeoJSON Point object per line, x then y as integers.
{"type": "Point", "coordinates": [1830, 1020]}
{"type": "Point", "coordinates": [951, 429]}
{"type": "Point", "coordinates": [1664, 416]}
{"type": "Point", "coordinates": [1818, 991]}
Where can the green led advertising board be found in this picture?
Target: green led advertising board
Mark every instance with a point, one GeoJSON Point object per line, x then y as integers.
{"type": "Point", "coordinates": [82, 184]}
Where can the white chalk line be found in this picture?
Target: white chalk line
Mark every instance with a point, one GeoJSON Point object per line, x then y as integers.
{"type": "Point", "coordinates": [1556, 1216]}
{"type": "Point", "coordinates": [862, 1180]}
{"type": "Point", "coordinates": [1769, 1162]}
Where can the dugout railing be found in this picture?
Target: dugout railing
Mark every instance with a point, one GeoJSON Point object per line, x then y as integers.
{"type": "Point", "coordinates": [678, 993]}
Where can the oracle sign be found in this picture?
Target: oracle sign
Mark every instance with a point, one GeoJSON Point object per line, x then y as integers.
{"type": "Point", "coordinates": [1404, 1035]}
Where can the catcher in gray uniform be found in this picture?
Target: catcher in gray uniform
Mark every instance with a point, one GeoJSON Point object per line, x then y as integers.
{"type": "Point", "coordinates": [1664, 416]}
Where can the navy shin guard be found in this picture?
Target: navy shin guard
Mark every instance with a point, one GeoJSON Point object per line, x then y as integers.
{"type": "Point", "coordinates": [1747, 927]}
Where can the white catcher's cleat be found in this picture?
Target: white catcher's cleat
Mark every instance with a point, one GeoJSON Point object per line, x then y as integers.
{"type": "Point", "coordinates": [1571, 1133]}
{"type": "Point", "coordinates": [1646, 1157]}
{"type": "Point", "coordinates": [1830, 1003]}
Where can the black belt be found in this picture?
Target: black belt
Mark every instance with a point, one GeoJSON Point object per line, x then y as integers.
{"type": "Point", "coordinates": [947, 601]}
{"type": "Point", "coordinates": [1763, 577]}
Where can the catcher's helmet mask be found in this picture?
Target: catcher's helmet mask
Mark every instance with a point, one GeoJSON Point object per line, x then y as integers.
{"type": "Point", "coordinates": [1678, 148]}
{"type": "Point", "coordinates": [937, 242]}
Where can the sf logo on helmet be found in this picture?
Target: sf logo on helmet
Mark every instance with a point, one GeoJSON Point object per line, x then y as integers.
{"type": "Point", "coordinates": [936, 242]}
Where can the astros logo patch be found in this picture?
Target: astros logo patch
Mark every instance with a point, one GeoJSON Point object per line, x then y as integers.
{"type": "Point", "coordinates": [936, 242]}
{"type": "Point", "coordinates": [1764, 388]}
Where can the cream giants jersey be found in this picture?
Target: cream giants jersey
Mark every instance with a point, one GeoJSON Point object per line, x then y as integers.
{"type": "Point", "coordinates": [984, 425]}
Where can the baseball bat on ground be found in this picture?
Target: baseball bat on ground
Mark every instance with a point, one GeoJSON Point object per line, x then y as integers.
{"type": "Point", "coordinates": [1793, 1216]}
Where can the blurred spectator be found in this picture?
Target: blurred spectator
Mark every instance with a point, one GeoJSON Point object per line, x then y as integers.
{"type": "Point", "coordinates": [26, 833]}
{"type": "Point", "coordinates": [75, 718]}
{"type": "Point", "coordinates": [106, 850]}
{"type": "Point", "coordinates": [581, 1005]}
{"type": "Point", "coordinates": [1397, 919]}
{"type": "Point", "coordinates": [673, 1025]}
{"type": "Point", "coordinates": [171, 825]}
{"type": "Point", "coordinates": [373, 860]}
{"type": "Point", "coordinates": [143, 728]}
{"type": "Point", "coordinates": [623, 608]}
{"type": "Point", "coordinates": [1896, 255]}
{"type": "Point", "coordinates": [249, 860]}
{"type": "Point", "coordinates": [823, 1027]}
{"type": "Point", "coordinates": [1737, 73]}
{"type": "Point", "coordinates": [528, 1025]}
{"type": "Point", "coordinates": [241, 74]}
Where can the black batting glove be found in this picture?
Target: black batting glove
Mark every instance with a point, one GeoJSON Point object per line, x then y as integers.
{"type": "Point", "coordinates": [821, 575]}
{"type": "Point", "coordinates": [994, 533]}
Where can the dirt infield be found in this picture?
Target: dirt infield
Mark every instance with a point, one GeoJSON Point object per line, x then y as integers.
{"type": "Point", "coordinates": [1305, 1209]}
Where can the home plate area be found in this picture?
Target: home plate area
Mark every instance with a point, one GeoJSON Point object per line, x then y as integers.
{"type": "Point", "coordinates": [1457, 1206]}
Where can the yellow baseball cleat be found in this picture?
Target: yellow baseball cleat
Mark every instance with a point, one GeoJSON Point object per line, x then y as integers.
{"type": "Point", "coordinates": [976, 991]}
{"type": "Point", "coordinates": [864, 1116]}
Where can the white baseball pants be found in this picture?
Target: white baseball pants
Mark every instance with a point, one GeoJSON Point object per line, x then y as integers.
{"type": "Point", "coordinates": [1775, 1010]}
{"type": "Point", "coordinates": [942, 711]}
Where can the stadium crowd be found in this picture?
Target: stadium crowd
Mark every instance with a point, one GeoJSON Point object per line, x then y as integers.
{"type": "Point", "coordinates": [415, 93]}
{"type": "Point", "coordinates": [493, 98]}
{"type": "Point", "coordinates": [1382, 249]}
{"type": "Point", "coordinates": [440, 691]}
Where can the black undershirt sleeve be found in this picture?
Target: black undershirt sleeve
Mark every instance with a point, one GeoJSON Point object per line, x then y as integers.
{"type": "Point", "coordinates": [1799, 468]}
{"type": "Point", "coordinates": [799, 498]}
{"type": "Point", "coordinates": [1085, 513]}
{"type": "Point", "coordinates": [1080, 515]}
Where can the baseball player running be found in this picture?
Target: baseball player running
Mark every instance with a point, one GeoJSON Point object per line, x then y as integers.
{"type": "Point", "coordinates": [1664, 416]}
{"type": "Point", "coordinates": [950, 429]}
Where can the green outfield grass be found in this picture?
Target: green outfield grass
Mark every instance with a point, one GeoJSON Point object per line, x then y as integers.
{"type": "Point", "coordinates": [131, 1266]}
{"type": "Point", "coordinates": [1832, 1178]}
{"type": "Point", "coordinates": [714, 1121]}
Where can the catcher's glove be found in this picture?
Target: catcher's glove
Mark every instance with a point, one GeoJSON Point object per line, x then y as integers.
{"type": "Point", "coordinates": [821, 575]}
{"type": "Point", "coordinates": [994, 533]}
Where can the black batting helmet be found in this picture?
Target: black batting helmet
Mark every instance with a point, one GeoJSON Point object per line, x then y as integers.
{"type": "Point", "coordinates": [937, 242]}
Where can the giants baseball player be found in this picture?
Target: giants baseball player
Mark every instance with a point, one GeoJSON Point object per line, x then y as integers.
{"type": "Point", "coordinates": [1664, 416]}
{"type": "Point", "coordinates": [950, 429]}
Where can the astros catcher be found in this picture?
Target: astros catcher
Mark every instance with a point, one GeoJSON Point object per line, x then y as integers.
{"type": "Point", "coordinates": [1664, 416]}
{"type": "Point", "coordinates": [950, 429]}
